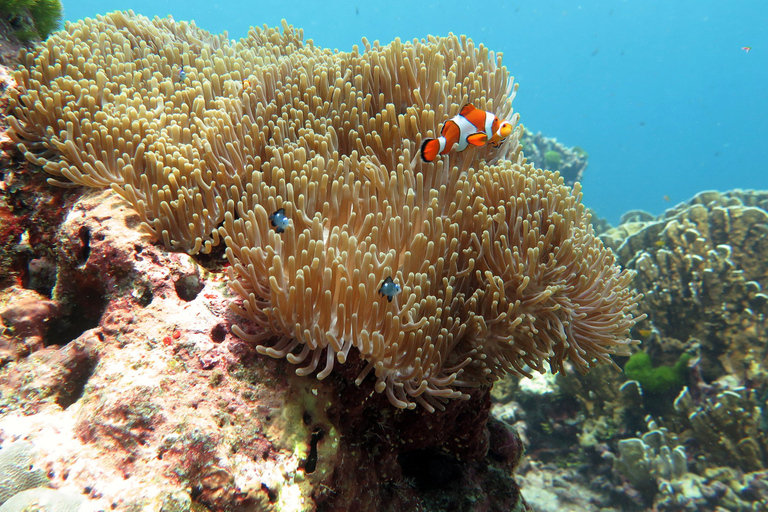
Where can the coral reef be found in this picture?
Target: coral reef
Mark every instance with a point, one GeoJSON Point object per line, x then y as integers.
{"type": "Point", "coordinates": [499, 268]}
{"type": "Point", "coordinates": [123, 366]}
{"type": "Point", "coordinates": [701, 374]}
{"type": "Point", "coordinates": [547, 153]}
{"type": "Point", "coordinates": [702, 269]}
{"type": "Point", "coordinates": [729, 424]}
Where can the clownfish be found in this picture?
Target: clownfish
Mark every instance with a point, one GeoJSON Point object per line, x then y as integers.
{"type": "Point", "coordinates": [279, 220]}
{"type": "Point", "coordinates": [389, 289]}
{"type": "Point", "coordinates": [470, 126]}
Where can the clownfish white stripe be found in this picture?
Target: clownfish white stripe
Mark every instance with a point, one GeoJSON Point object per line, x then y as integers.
{"type": "Point", "coordinates": [465, 130]}
{"type": "Point", "coordinates": [441, 140]}
{"type": "Point", "coordinates": [490, 117]}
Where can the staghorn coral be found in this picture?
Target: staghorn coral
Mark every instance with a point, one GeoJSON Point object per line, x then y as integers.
{"type": "Point", "coordinates": [206, 138]}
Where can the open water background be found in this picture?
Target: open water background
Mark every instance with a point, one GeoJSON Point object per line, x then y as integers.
{"type": "Point", "coordinates": [659, 93]}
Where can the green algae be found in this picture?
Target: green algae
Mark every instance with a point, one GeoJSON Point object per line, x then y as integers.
{"type": "Point", "coordinates": [552, 160]}
{"type": "Point", "coordinates": [32, 19]}
{"type": "Point", "coordinates": [659, 379]}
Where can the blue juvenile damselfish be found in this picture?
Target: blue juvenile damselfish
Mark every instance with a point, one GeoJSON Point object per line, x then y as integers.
{"type": "Point", "coordinates": [279, 220]}
{"type": "Point", "coordinates": [389, 289]}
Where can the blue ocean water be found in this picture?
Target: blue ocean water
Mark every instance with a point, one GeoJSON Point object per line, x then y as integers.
{"type": "Point", "coordinates": [660, 94]}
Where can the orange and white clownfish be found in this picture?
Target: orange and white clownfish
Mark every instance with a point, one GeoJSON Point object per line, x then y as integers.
{"type": "Point", "coordinates": [470, 126]}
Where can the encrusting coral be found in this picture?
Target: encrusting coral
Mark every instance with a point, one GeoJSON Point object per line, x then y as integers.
{"type": "Point", "coordinates": [206, 138]}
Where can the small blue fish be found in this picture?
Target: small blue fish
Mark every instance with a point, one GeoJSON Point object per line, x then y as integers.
{"type": "Point", "coordinates": [279, 220]}
{"type": "Point", "coordinates": [182, 75]}
{"type": "Point", "coordinates": [389, 289]}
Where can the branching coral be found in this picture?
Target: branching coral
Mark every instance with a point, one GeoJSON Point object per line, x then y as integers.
{"type": "Point", "coordinates": [655, 457]}
{"type": "Point", "coordinates": [499, 268]}
{"type": "Point", "coordinates": [729, 423]}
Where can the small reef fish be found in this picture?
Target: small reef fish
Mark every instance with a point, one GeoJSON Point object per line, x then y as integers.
{"type": "Point", "coordinates": [279, 220]}
{"type": "Point", "coordinates": [746, 48]}
{"type": "Point", "coordinates": [471, 126]}
{"type": "Point", "coordinates": [182, 75]}
{"type": "Point", "coordinates": [389, 289]}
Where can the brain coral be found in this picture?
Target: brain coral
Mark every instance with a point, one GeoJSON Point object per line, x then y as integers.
{"type": "Point", "coordinates": [17, 470]}
{"type": "Point", "coordinates": [207, 138]}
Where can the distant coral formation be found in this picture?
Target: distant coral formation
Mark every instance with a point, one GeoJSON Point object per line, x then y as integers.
{"type": "Point", "coordinates": [654, 457]}
{"type": "Point", "coordinates": [549, 154]}
{"type": "Point", "coordinates": [206, 138]}
{"type": "Point", "coordinates": [685, 426]}
{"type": "Point", "coordinates": [703, 269]}
{"type": "Point", "coordinates": [730, 423]}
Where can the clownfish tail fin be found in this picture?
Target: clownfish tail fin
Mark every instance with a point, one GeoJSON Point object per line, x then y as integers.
{"type": "Point", "coordinates": [429, 150]}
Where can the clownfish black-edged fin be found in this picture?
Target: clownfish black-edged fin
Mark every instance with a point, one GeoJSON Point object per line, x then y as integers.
{"type": "Point", "coordinates": [429, 150]}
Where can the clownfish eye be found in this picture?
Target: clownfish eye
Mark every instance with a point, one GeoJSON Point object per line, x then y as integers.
{"type": "Point", "coordinates": [505, 129]}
